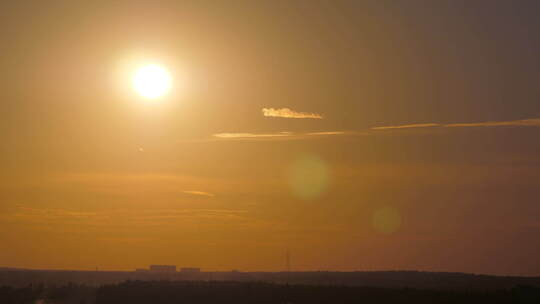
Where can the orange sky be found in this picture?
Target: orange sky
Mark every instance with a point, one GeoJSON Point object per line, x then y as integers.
{"type": "Point", "coordinates": [360, 135]}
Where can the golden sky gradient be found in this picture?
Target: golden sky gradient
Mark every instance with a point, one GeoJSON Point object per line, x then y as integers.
{"type": "Point", "coordinates": [358, 135]}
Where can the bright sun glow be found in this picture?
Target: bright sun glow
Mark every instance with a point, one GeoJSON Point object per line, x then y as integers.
{"type": "Point", "coordinates": [152, 81]}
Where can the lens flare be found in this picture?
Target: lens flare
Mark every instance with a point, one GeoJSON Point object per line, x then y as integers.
{"type": "Point", "coordinates": [308, 177]}
{"type": "Point", "coordinates": [386, 220]}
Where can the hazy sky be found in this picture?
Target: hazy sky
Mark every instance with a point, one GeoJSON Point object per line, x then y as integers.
{"type": "Point", "coordinates": [360, 135]}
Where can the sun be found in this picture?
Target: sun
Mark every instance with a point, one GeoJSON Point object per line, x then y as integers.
{"type": "Point", "coordinates": [152, 81]}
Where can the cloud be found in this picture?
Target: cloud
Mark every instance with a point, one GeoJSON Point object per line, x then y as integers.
{"type": "Point", "coordinates": [420, 125]}
{"type": "Point", "coordinates": [201, 193]}
{"type": "Point", "coordinates": [53, 213]}
{"type": "Point", "coordinates": [131, 185]}
{"type": "Point", "coordinates": [251, 135]}
{"type": "Point", "coordinates": [532, 122]}
{"type": "Point", "coordinates": [279, 135]}
{"type": "Point", "coordinates": [122, 217]}
{"type": "Point", "coordinates": [327, 133]}
{"type": "Point", "coordinates": [288, 113]}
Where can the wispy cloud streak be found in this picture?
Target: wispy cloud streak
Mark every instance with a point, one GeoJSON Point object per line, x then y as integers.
{"type": "Point", "coordinates": [327, 133]}
{"type": "Point", "coordinates": [251, 135]}
{"type": "Point", "coordinates": [410, 126]}
{"type": "Point", "coordinates": [278, 135]}
{"type": "Point", "coordinates": [201, 193]}
{"type": "Point", "coordinates": [288, 113]}
{"type": "Point", "coordinates": [532, 122]}
{"type": "Point", "coordinates": [115, 217]}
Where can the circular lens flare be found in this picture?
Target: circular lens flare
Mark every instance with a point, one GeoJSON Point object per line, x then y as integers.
{"type": "Point", "coordinates": [308, 177]}
{"type": "Point", "coordinates": [386, 220]}
{"type": "Point", "coordinates": [152, 81]}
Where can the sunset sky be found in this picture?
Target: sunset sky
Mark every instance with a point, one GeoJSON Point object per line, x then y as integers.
{"type": "Point", "coordinates": [358, 135]}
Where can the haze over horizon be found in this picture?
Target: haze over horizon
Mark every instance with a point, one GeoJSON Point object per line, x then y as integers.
{"type": "Point", "coordinates": [358, 135]}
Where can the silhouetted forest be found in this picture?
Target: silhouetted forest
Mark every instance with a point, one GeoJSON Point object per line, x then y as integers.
{"type": "Point", "coordinates": [178, 292]}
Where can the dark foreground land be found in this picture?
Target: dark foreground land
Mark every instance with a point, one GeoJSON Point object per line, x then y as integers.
{"type": "Point", "coordinates": [100, 287]}
{"type": "Point", "coordinates": [382, 279]}
{"type": "Point", "coordinates": [165, 292]}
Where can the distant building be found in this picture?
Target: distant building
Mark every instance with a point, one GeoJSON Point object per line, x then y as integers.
{"type": "Point", "coordinates": [190, 270]}
{"type": "Point", "coordinates": [141, 270]}
{"type": "Point", "coordinates": [162, 268]}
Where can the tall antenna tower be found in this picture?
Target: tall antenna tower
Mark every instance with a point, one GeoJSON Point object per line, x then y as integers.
{"type": "Point", "coordinates": [288, 265]}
